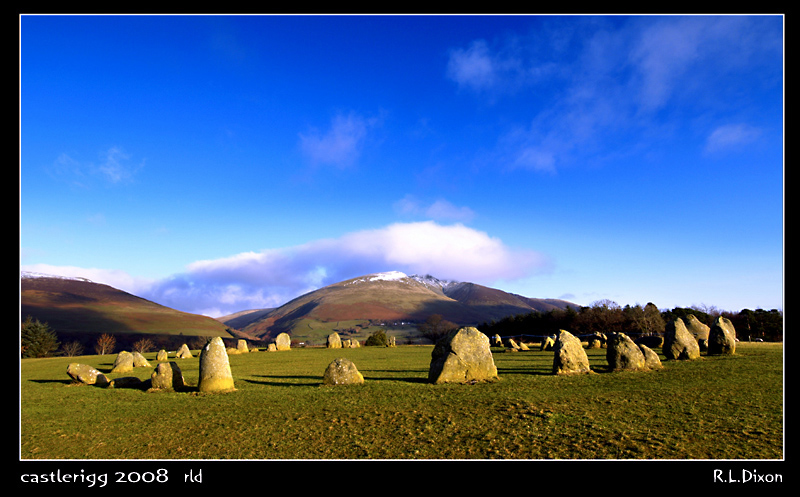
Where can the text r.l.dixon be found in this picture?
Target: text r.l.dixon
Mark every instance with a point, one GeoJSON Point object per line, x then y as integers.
{"type": "Point", "coordinates": [746, 476]}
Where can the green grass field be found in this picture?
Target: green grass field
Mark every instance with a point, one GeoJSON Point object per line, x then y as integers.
{"type": "Point", "coordinates": [711, 408]}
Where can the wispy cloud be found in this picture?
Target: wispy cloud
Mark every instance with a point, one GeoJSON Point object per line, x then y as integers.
{"type": "Point", "coordinates": [439, 210]}
{"type": "Point", "coordinates": [731, 136]}
{"type": "Point", "coordinates": [612, 83]}
{"type": "Point", "coordinates": [114, 167]}
{"type": "Point", "coordinates": [341, 144]}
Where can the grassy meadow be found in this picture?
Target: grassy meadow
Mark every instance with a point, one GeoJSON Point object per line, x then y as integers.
{"type": "Point", "coordinates": [710, 408]}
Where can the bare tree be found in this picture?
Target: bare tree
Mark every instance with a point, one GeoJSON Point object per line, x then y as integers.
{"type": "Point", "coordinates": [105, 344]}
{"type": "Point", "coordinates": [72, 349]}
{"type": "Point", "coordinates": [143, 345]}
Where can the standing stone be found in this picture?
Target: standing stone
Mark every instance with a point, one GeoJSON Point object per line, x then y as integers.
{"type": "Point", "coordinates": [548, 343]}
{"type": "Point", "coordinates": [184, 352]}
{"type": "Point", "coordinates": [623, 354]}
{"type": "Point", "coordinates": [597, 340]}
{"type": "Point", "coordinates": [462, 356]}
{"type": "Point", "coordinates": [354, 344]}
{"type": "Point", "coordinates": [123, 363]}
{"type": "Point", "coordinates": [139, 361]}
{"type": "Point", "coordinates": [241, 346]}
{"type": "Point", "coordinates": [162, 355]}
{"type": "Point", "coordinates": [651, 359]}
{"type": "Point", "coordinates": [511, 344]}
{"type": "Point", "coordinates": [722, 337]}
{"type": "Point", "coordinates": [568, 355]}
{"type": "Point", "coordinates": [271, 347]}
{"type": "Point", "coordinates": [342, 372]}
{"type": "Point", "coordinates": [334, 341]}
{"type": "Point", "coordinates": [698, 330]}
{"type": "Point", "coordinates": [497, 341]}
{"type": "Point", "coordinates": [86, 374]}
{"type": "Point", "coordinates": [167, 376]}
{"type": "Point", "coordinates": [283, 342]}
{"type": "Point", "coordinates": [215, 369]}
{"type": "Point", "coordinates": [679, 343]}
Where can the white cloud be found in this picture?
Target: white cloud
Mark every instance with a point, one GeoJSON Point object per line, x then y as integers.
{"type": "Point", "coordinates": [340, 145]}
{"type": "Point", "coordinates": [472, 67]}
{"type": "Point", "coordinates": [272, 277]}
{"type": "Point", "coordinates": [730, 136]}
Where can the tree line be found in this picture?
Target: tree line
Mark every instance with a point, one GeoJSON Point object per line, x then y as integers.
{"type": "Point", "coordinates": [606, 316]}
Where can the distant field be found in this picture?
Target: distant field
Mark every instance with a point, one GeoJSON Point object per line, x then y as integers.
{"type": "Point", "coordinates": [711, 408]}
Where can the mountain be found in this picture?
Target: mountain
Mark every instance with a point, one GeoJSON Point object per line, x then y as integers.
{"type": "Point", "coordinates": [393, 297]}
{"type": "Point", "coordinates": [80, 306]}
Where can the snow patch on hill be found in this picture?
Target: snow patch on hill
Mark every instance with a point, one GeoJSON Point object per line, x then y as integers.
{"type": "Point", "coordinates": [31, 274]}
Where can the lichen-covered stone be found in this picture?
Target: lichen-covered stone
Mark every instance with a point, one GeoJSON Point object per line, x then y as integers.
{"type": "Point", "coordinates": [569, 357]}
{"type": "Point", "coordinates": [167, 376]}
{"type": "Point", "coordinates": [698, 330]}
{"type": "Point", "coordinates": [215, 368]}
{"type": "Point", "coordinates": [679, 344]}
{"type": "Point", "coordinates": [84, 373]}
{"type": "Point", "coordinates": [651, 359]}
{"type": "Point", "coordinates": [162, 355]}
{"type": "Point", "coordinates": [547, 343]}
{"type": "Point", "coordinates": [283, 342]}
{"type": "Point", "coordinates": [342, 371]}
{"type": "Point", "coordinates": [184, 352]}
{"type": "Point", "coordinates": [722, 337]}
{"type": "Point", "coordinates": [462, 356]}
{"type": "Point", "coordinates": [241, 346]}
{"type": "Point", "coordinates": [139, 360]}
{"type": "Point", "coordinates": [123, 363]}
{"type": "Point", "coordinates": [623, 354]}
{"type": "Point", "coordinates": [334, 341]}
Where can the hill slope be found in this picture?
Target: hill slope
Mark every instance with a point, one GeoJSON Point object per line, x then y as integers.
{"type": "Point", "coordinates": [76, 305]}
{"type": "Point", "coordinates": [393, 297]}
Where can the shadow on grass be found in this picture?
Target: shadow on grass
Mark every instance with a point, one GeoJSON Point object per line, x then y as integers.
{"type": "Point", "coordinates": [302, 381]}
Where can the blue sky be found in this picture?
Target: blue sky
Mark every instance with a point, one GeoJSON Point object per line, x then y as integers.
{"type": "Point", "coordinates": [222, 163]}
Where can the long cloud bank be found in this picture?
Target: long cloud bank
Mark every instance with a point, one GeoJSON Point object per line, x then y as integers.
{"type": "Point", "coordinates": [272, 277]}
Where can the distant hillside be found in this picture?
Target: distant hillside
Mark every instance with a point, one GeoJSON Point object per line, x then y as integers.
{"type": "Point", "coordinates": [392, 297]}
{"type": "Point", "coordinates": [241, 319]}
{"type": "Point", "coordinates": [80, 306]}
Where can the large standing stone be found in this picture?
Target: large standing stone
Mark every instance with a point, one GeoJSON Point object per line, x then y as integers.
{"type": "Point", "coordinates": [283, 342]}
{"type": "Point", "coordinates": [86, 374]}
{"type": "Point", "coordinates": [139, 360]}
{"type": "Point", "coordinates": [184, 352]}
{"type": "Point", "coordinates": [215, 368]}
{"type": "Point", "coordinates": [334, 341]}
{"type": "Point", "coordinates": [679, 343]}
{"type": "Point", "coordinates": [167, 376]}
{"type": "Point", "coordinates": [241, 346]}
{"type": "Point", "coordinates": [547, 343]}
{"type": "Point", "coordinates": [462, 356]}
{"type": "Point", "coordinates": [497, 341]}
{"type": "Point", "coordinates": [568, 355]}
{"type": "Point", "coordinates": [623, 354]}
{"type": "Point", "coordinates": [162, 355]}
{"type": "Point", "coordinates": [651, 359]}
{"type": "Point", "coordinates": [123, 363]}
{"type": "Point", "coordinates": [722, 337]}
{"type": "Point", "coordinates": [698, 330]}
{"type": "Point", "coordinates": [342, 372]}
